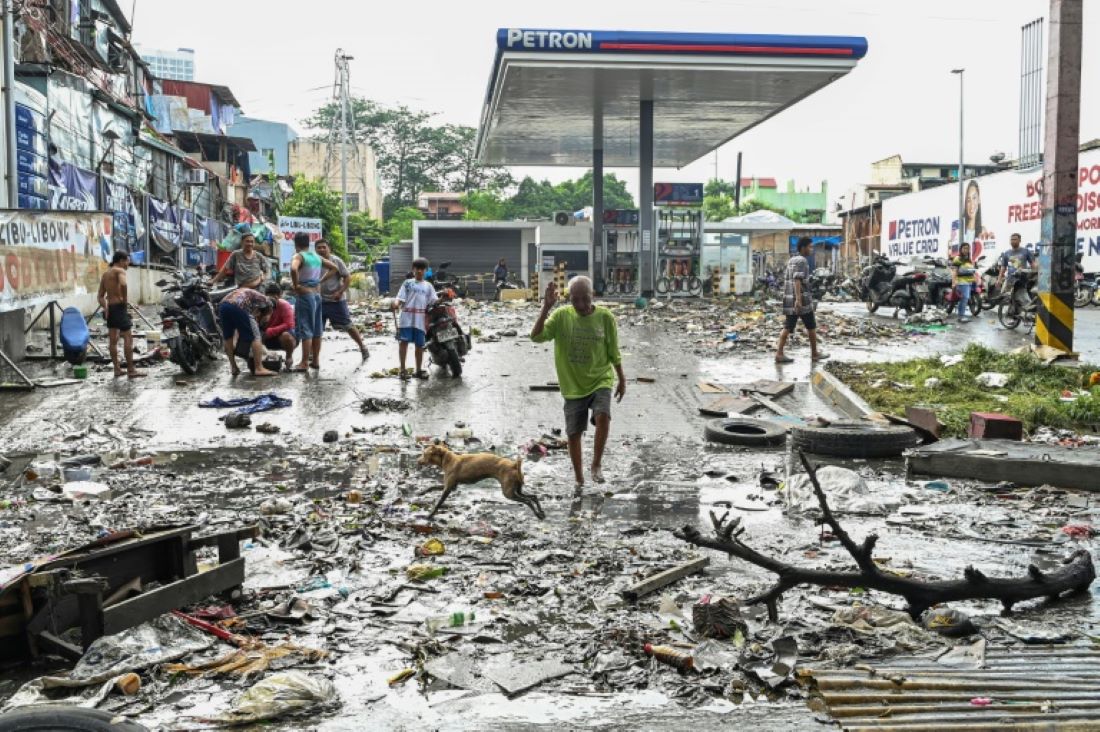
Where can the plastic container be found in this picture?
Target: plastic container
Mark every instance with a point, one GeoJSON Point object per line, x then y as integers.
{"type": "Point", "coordinates": [80, 372]}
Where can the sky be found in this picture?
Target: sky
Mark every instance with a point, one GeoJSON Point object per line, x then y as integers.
{"type": "Point", "coordinates": [278, 58]}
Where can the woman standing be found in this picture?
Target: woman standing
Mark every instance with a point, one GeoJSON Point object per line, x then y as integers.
{"type": "Point", "coordinates": [962, 278]}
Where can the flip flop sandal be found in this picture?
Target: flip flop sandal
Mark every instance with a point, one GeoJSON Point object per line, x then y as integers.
{"type": "Point", "coordinates": [297, 370]}
{"type": "Point", "coordinates": [404, 376]}
{"type": "Point", "coordinates": [421, 374]}
{"type": "Point", "coordinates": [785, 359]}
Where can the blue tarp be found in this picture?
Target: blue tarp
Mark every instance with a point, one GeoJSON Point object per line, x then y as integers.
{"type": "Point", "coordinates": [249, 405]}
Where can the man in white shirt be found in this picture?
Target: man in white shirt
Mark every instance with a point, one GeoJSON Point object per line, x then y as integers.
{"type": "Point", "coordinates": [414, 298]}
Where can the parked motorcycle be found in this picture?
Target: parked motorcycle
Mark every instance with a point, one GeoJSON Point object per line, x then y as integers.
{"type": "Point", "coordinates": [938, 283]}
{"type": "Point", "coordinates": [74, 336]}
{"type": "Point", "coordinates": [443, 280]}
{"type": "Point", "coordinates": [1021, 300]}
{"type": "Point", "coordinates": [189, 323]}
{"type": "Point", "coordinates": [1087, 291]}
{"type": "Point", "coordinates": [823, 282]}
{"type": "Point", "coordinates": [880, 284]}
{"type": "Point", "coordinates": [446, 342]}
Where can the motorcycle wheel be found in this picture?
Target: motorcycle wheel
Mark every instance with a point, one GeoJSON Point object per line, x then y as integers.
{"type": "Point", "coordinates": [185, 354]}
{"type": "Point", "coordinates": [872, 306]}
{"type": "Point", "coordinates": [662, 285]}
{"type": "Point", "coordinates": [1081, 296]}
{"type": "Point", "coordinates": [1008, 313]}
{"type": "Point", "coordinates": [454, 361]}
{"type": "Point", "coordinates": [917, 305]}
{"type": "Point", "coordinates": [975, 304]}
{"type": "Point", "coordinates": [695, 285]}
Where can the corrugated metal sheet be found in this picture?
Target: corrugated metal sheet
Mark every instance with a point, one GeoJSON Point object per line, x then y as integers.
{"type": "Point", "coordinates": [401, 261]}
{"type": "Point", "coordinates": [1030, 688]}
{"type": "Point", "coordinates": [471, 251]}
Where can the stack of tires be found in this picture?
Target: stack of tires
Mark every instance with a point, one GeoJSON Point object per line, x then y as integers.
{"type": "Point", "coordinates": [838, 439]}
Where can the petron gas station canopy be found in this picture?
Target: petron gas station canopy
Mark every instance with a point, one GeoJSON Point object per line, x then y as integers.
{"type": "Point", "coordinates": [587, 98]}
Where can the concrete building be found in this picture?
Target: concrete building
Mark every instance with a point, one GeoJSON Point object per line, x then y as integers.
{"type": "Point", "coordinates": [893, 172]}
{"type": "Point", "coordinates": [791, 200]}
{"type": "Point", "coordinates": [308, 157]}
{"type": "Point", "coordinates": [441, 205]}
{"type": "Point", "coordinates": [178, 65]}
{"type": "Point", "coordinates": [272, 141]}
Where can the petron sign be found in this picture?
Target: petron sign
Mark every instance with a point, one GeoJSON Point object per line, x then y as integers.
{"type": "Point", "coordinates": [588, 41]}
{"type": "Point", "coordinates": [996, 206]}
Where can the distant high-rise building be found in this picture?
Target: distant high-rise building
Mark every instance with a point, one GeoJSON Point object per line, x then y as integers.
{"type": "Point", "coordinates": [178, 65]}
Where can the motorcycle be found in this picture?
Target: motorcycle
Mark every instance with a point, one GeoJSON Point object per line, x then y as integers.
{"type": "Point", "coordinates": [442, 280]}
{"type": "Point", "coordinates": [74, 336]}
{"type": "Point", "coordinates": [1021, 301]}
{"type": "Point", "coordinates": [940, 291]}
{"type": "Point", "coordinates": [823, 282]}
{"type": "Point", "coordinates": [1087, 291]}
{"type": "Point", "coordinates": [446, 342]}
{"type": "Point", "coordinates": [189, 323]}
{"type": "Point", "coordinates": [880, 284]}
{"type": "Point", "coordinates": [990, 294]}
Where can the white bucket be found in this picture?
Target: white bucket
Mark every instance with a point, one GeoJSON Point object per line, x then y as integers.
{"type": "Point", "coordinates": [152, 337]}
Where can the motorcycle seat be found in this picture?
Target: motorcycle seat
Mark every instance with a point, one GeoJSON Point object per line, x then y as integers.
{"type": "Point", "coordinates": [217, 296]}
{"type": "Point", "coordinates": [74, 330]}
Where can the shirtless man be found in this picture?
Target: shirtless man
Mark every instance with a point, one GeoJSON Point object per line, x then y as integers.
{"type": "Point", "coordinates": [112, 297]}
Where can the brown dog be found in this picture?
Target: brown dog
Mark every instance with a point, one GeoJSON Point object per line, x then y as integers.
{"type": "Point", "coordinates": [478, 466]}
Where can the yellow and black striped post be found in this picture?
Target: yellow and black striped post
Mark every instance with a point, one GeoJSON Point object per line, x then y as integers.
{"type": "Point", "coordinates": [559, 277]}
{"type": "Point", "coordinates": [715, 282]}
{"type": "Point", "coordinates": [1057, 258]}
{"type": "Point", "coordinates": [535, 284]}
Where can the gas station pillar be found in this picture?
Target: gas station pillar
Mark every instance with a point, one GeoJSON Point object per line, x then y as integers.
{"type": "Point", "coordinates": [598, 267]}
{"type": "Point", "coordinates": [645, 197]}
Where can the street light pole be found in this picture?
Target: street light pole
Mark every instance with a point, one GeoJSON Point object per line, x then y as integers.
{"type": "Point", "coordinates": [962, 195]}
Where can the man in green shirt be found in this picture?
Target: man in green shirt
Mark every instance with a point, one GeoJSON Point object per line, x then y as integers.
{"type": "Point", "coordinates": [587, 359]}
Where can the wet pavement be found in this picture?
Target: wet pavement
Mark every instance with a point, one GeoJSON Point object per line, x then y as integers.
{"type": "Point", "coordinates": [541, 590]}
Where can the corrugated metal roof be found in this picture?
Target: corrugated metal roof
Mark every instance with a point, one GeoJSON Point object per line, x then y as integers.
{"type": "Point", "coordinates": [1043, 687]}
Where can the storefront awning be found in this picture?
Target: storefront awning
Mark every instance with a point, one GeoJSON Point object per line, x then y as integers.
{"type": "Point", "coordinates": [548, 88]}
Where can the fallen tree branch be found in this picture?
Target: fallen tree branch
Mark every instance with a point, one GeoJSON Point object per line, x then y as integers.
{"type": "Point", "coordinates": [1076, 574]}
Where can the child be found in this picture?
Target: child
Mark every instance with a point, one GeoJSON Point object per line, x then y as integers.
{"type": "Point", "coordinates": [414, 299]}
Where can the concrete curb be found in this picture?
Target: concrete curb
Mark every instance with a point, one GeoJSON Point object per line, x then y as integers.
{"type": "Point", "coordinates": [836, 393]}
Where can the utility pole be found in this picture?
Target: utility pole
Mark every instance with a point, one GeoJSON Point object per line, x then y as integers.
{"type": "Point", "coordinates": [962, 193]}
{"type": "Point", "coordinates": [338, 130]}
{"type": "Point", "coordinates": [1057, 250]}
{"type": "Point", "coordinates": [10, 163]}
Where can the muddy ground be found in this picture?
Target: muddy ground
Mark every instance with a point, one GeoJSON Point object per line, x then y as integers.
{"type": "Point", "coordinates": [541, 591]}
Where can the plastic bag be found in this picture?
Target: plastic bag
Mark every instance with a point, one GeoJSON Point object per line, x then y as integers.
{"type": "Point", "coordinates": [279, 694]}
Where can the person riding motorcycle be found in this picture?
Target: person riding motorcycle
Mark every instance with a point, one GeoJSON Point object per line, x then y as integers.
{"type": "Point", "coordinates": [1014, 258]}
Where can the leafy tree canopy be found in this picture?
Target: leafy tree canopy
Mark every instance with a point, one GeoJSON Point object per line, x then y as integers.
{"type": "Point", "coordinates": [313, 199]}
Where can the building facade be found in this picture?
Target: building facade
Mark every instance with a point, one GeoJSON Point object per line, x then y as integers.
{"type": "Point", "coordinates": [791, 200]}
{"type": "Point", "coordinates": [441, 206]}
{"type": "Point", "coordinates": [311, 158]}
{"type": "Point", "coordinates": [893, 172]}
{"type": "Point", "coordinates": [272, 141]}
{"type": "Point", "coordinates": [178, 65]}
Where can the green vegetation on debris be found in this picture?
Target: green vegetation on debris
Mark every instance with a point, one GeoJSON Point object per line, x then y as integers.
{"type": "Point", "coordinates": [1032, 394]}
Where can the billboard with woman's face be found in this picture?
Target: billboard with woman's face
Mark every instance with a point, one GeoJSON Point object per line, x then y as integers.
{"type": "Point", "coordinates": [995, 207]}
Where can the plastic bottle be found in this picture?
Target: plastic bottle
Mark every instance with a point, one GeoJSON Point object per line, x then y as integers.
{"type": "Point", "coordinates": [670, 656]}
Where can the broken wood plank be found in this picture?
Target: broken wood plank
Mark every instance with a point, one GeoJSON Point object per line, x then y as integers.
{"type": "Point", "coordinates": [765, 402]}
{"type": "Point", "coordinates": [770, 388]}
{"type": "Point", "coordinates": [727, 405]}
{"type": "Point", "coordinates": [172, 596]}
{"type": "Point", "coordinates": [657, 581]}
{"type": "Point", "coordinates": [708, 387]}
{"type": "Point", "coordinates": [836, 393]}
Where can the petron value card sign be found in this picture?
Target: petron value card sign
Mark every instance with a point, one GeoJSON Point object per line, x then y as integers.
{"type": "Point", "coordinates": [995, 207]}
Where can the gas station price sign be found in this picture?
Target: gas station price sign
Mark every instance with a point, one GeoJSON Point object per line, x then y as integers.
{"type": "Point", "coordinates": [678, 194]}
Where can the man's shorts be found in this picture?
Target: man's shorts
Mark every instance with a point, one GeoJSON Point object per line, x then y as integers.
{"type": "Point", "coordinates": [414, 336]}
{"type": "Point", "coordinates": [336, 313]}
{"type": "Point", "coordinates": [808, 320]}
{"type": "Point", "coordinates": [235, 319]}
{"type": "Point", "coordinates": [273, 344]}
{"type": "Point", "coordinates": [118, 317]}
{"type": "Point", "coordinates": [576, 411]}
{"type": "Point", "coordinates": [307, 317]}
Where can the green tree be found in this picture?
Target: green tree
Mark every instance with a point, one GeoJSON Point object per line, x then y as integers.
{"type": "Point", "coordinates": [717, 187]}
{"type": "Point", "coordinates": [718, 208]}
{"type": "Point", "coordinates": [540, 199]}
{"type": "Point", "coordinates": [484, 206]}
{"type": "Point", "coordinates": [412, 154]}
{"type": "Point", "coordinates": [313, 199]}
{"type": "Point", "coordinates": [399, 225]}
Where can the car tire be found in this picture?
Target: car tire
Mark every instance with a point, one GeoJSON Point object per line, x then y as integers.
{"type": "Point", "coordinates": [854, 439]}
{"type": "Point", "coordinates": [66, 718]}
{"type": "Point", "coordinates": [745, 431]}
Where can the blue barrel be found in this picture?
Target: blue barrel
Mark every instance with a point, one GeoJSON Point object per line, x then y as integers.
{"type": "Point", "coordinates": [382, 269]}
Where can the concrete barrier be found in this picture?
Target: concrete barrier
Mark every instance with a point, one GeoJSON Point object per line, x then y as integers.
{"type": "Point", "coordinates": [836, 393]}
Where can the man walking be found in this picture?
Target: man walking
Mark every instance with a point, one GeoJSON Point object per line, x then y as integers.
{"type": "Point", "coordinates": [307, 270]}
{"type": "Point", "coordinates": [248, 267]}
{"type": "Point", "coordinates": [414, 298]}
{"type": "Point", "coordinates": [587, 360]}
{"type": "Point", "coordinates": [798, 303]}
{"type": "Point", "coordinates": [334, 299]}
{"type": "Point", "coordinates": [112, 298]}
